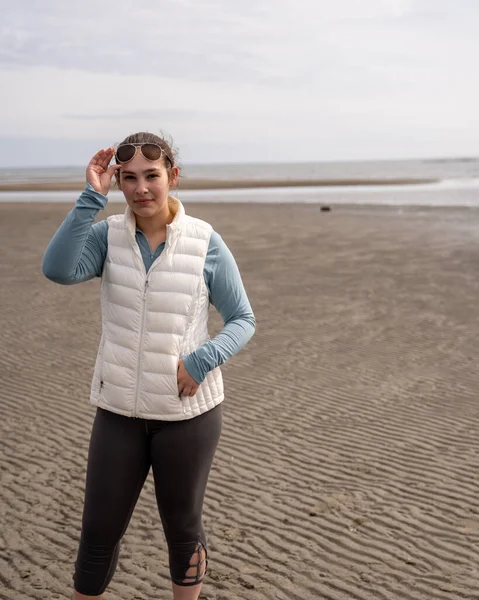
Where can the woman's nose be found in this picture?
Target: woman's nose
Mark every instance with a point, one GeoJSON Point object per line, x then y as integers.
{"type": "Point", "coordinates": [141, 187]}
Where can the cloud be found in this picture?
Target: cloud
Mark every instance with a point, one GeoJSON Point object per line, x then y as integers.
{"type": "Point", "coordinates": [142, 114]}
{"type": "Point", "coordinates": [310, 44]}
{"type": "Point", "coordinates": [167, 39]}
{"type": "Point", "coordinates": [343, 77]}
{"type": "Point", "coordinates": [254, 41]}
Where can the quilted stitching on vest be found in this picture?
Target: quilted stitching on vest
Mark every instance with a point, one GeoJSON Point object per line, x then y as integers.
{"type": "Point", "coordinates": [150, 320]}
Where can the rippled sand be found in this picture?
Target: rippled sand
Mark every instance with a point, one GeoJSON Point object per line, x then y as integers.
{"type": "Point", "coordinates": [348, 466]}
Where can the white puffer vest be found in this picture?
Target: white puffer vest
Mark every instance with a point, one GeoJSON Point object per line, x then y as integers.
{"type": "Point", "coordinates": [150, 320]}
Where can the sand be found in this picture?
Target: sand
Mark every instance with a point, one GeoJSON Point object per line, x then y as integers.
{"type": "Point", "coordinates": [348, 466]}
{"type": "Point", "coordinates": [191, 183]}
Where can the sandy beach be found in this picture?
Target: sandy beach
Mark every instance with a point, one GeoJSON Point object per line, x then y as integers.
{"type": "Point", "coordinates": [349, 463]}
{"type": "Point", "coordinates": [196, 183]}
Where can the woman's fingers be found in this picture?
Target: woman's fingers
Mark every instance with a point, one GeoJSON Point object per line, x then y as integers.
{"type": "Point", "coordinates": [112, 169]}
{"type": "Point", "coordinates": [98, 172]}
{"type": "Point", "coordinates": [185, 389]}
{"type": "Point", "coordinates": [188, 392]}
{"type": "Point", "coordinates": [103, 157]}
{"type": "Point", "coordinates": [187, 386]}
{"type": "Point", "coordinates": [109, 152]}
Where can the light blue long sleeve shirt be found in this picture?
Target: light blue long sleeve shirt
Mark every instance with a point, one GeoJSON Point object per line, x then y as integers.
{"type": "Point", "coordinates": [78, 250]}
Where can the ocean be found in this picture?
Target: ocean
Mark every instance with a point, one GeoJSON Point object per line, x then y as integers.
{"type": "Point", "coordinates": [458, 182]}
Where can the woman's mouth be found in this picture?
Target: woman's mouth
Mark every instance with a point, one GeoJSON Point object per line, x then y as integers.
{"type": "Point", "coordinates": [143, 202]}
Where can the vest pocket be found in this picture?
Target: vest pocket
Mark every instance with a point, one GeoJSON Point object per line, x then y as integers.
{"type": "Point", "coordinates": [177, 364]}
{"type": "Point", "coordinates": [101, 365]}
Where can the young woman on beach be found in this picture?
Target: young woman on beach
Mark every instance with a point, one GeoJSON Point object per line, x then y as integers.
{"type": "Point", "coordinates": [156, 383]}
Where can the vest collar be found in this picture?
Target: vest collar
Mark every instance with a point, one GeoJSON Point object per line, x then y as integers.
{"type": "Point", "coordinates": [175, 206]}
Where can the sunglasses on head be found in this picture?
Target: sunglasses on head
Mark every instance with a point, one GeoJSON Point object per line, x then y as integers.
{"type": "Point", "coordinates": [126, 152]}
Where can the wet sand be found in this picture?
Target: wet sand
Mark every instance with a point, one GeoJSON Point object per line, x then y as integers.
{"type": "Point", "coordinates": [349, 462]}
{"type": "Point", "coordinates": [189, 183]}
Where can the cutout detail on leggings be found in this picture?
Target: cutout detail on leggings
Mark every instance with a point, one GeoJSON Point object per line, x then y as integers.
{"type": "Point", "coordinates": [196, 571]}
{"type": "Point", "coordinates": [191, 563]}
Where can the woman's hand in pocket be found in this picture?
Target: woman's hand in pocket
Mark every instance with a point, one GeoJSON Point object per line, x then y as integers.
{"type": "Point", "coordinates": [187, 386]}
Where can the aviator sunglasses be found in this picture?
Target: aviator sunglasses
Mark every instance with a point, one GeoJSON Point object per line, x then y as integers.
{"type": "Point", "coordinates": [152, 152]}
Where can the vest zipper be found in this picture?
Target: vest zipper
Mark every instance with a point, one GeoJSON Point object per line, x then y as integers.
{"type": "Point", "coordinates": [140, 349]}
{"type": "Point", "coordinates": [158, 261]}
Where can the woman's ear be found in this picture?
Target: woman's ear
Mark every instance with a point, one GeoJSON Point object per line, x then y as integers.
{"type": "Point", "coordinates": [174, 176]}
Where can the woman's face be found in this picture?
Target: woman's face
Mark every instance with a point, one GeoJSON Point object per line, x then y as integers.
{"type": "Point", "coordinates": [145, 185]}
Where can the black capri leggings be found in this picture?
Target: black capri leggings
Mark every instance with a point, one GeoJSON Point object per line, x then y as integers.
{"type": "Point", "coordinates": [121, 452]}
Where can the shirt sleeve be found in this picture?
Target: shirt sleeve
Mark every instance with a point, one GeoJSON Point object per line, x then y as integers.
{"type": "Point", "coordinates": [228, 296]}
{"type": "Point", "coordinates": [77, 251]}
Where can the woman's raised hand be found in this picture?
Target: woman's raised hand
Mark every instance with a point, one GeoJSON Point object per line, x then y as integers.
{"type": "Point", "coordinates": [98, 173]}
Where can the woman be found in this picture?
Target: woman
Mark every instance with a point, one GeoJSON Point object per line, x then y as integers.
{"type": "Point", "coordinates": [156, 383]}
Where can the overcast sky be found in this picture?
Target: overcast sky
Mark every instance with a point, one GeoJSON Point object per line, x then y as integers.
{"type": "Point", "coordinates": [256, 80]}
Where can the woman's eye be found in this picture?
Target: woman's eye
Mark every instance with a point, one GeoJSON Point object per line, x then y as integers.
{"type": "Point", "coordinates": [152, 175]}
{"type": "Point", "coordinates": [128, 177]}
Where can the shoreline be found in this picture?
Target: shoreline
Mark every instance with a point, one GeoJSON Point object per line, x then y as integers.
{"type": "Point", "coordinates": [220, 184]}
